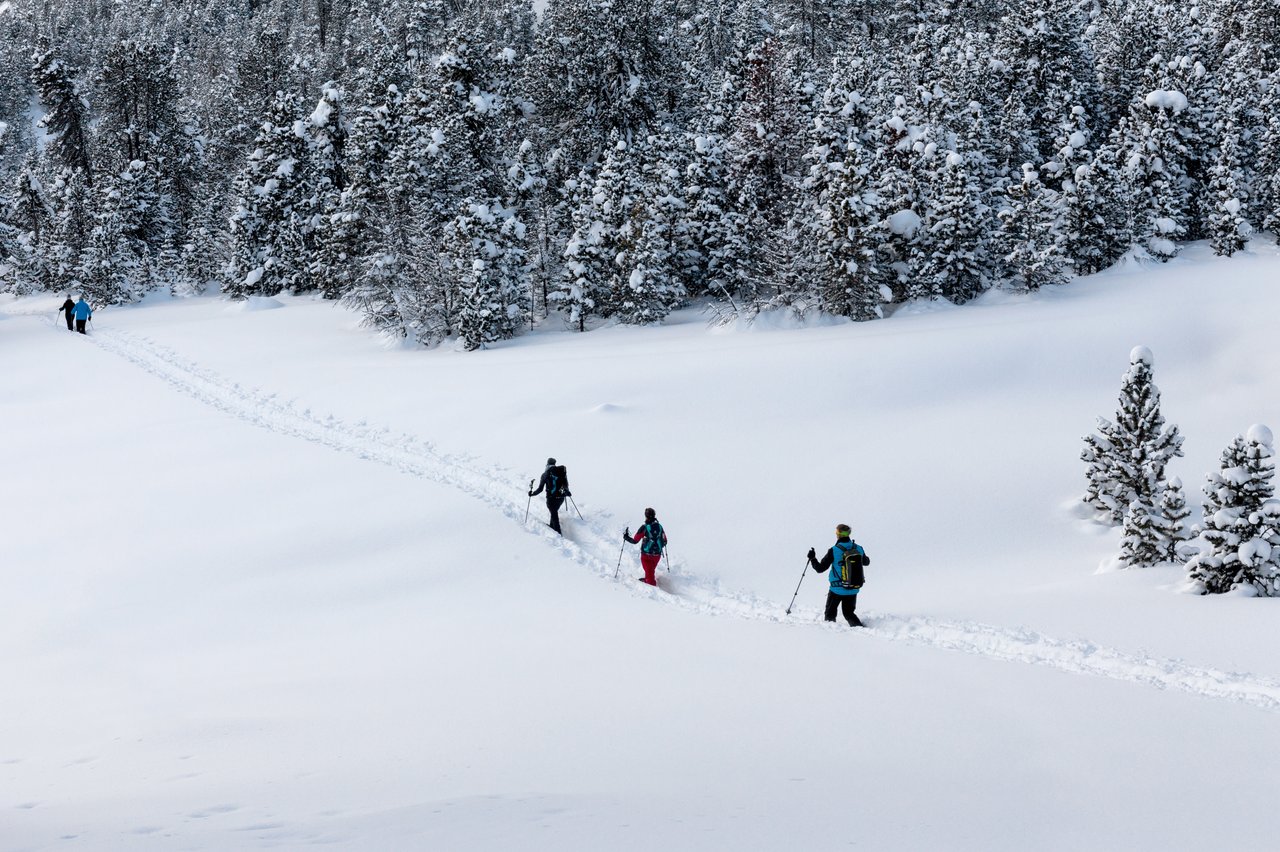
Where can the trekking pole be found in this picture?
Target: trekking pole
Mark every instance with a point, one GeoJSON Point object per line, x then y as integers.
{"type": "Point", "coordinates": [575, 508]}
{"type": "Point", "coordinates": [793, 597]}
{"type": "Point", "coordinates": [667, 559]}
{"type": "Point", "coordinates": [621, 550]}
{"type": "Point", "coordinates": [530, 503]}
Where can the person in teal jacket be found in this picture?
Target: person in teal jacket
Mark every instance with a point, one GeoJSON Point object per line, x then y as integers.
{"type": "Point", "coordinates": [83, 313]}
{"type": "Point", "coordinates": [843, 592]}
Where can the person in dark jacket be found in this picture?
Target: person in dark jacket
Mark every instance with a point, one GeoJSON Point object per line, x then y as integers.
{"type": "Point", "coordinates": [655, 541]}
{"type": "Point", "coordinates": [841, 594]}
{"type": "Point", "coordinates": [68, 309]}
{"type": "Point", "coordinates": [83, 313]}
{"type": "Point", "coordinates": [555, 481]}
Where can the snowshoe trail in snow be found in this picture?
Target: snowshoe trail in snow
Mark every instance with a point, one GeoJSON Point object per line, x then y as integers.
{"type": "Point", "coordinates": [594, 541]}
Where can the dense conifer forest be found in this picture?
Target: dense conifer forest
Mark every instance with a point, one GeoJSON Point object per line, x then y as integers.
{"type": "Point", "coordinates": [464, 170]}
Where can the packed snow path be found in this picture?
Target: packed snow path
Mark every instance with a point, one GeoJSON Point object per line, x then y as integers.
{"type": "Point", "coordinates": [595, 544]}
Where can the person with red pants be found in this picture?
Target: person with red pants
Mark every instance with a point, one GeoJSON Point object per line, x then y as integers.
{"type": "Point", "coordinates": [655, 541]}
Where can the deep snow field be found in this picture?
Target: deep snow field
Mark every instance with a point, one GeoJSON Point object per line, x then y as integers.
{"type": "Point", "coordinates": [266, 582]}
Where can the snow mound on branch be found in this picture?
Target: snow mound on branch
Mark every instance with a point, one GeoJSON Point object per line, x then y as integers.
{"type": "Point", "coordinates": [1143, 354]}
{"type": "Point", "coordinates": [1260, 434]}
{"type": "Point", "coordinates": [1173, 101]}
{"type": "Point", "coordinates": [904, 223]}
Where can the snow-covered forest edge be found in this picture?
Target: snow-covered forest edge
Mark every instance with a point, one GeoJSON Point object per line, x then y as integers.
{"type": "Point", "coordinates": [466, 170]}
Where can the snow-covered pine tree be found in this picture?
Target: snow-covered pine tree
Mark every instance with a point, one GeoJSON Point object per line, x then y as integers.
{"type": "Point", "coordinates": [334, 224]}
{"type": "Point", "coordinates": [588, 255]}
{"type": "Point", "coordinates": [1171, 516]}
{"type": "Point", "coordinates": [272, 207]}
{"type": "Point", "coordinates": [116, 266]}
{"type": "Point", "coordinates": [954, 237]}
{"type": "Point", "coordinates": [1032, 243]}
{"type": "Point", "coordinates": [713, 226]}
{"type": "Point", "coordinates": [486, 243]}
{"type": "Point", "coordinates": [66, 117]}
{"type": "Point", "coordinates": [651, 241]}
{"type": "Point", "coordinates": [1140, 545]}
{"type": "Point", "coordinates": [29, 216]}
{"type": "Point", "coordinates": [1239, 539]}
{"type": "Point", "coordinates": [69, 198]}
{"type": "Point", "coordinates": [1156, 157]}
{"type": "Point", "coordinates": [1229, 229]}
{"type": "Point", "coordinates": [1127, 458]}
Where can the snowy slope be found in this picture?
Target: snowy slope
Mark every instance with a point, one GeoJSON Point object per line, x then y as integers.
{"type": "Point", "coordinates": [268, 583]}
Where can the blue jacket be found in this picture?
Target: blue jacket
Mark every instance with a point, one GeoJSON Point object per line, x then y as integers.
{"type": "Point", "coordinates": [83, 311]}
{"type": "Point", "coordinates": [830, 562]}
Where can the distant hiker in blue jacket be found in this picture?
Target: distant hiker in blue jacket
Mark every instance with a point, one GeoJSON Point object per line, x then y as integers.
{"type": "Point", "coordinates": [555, 480]}
{"type": "Point", "coordinates": [83, 314]}
{"type": "Point", "coordinates": [68, 309]}
{"type": "Point", "coordinates": [845, 560]}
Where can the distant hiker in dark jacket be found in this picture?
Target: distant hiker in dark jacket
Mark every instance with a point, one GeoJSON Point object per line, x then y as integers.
{"type": "Point", "coordinates": [655, 541]}
{"type": "Point", "coordinates": [555, 480]}
{"type": "Point", "coordinates": [68, 309]}
{"type": "Point", "coordinates": [843, 592]}
{"type": "Point", "coordinates": [83, 313]}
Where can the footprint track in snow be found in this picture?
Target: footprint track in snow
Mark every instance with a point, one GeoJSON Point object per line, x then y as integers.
{"type": "Point", "coordinates": [594, 544]}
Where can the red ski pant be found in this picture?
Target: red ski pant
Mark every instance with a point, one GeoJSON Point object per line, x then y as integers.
{"type": "Point", "coordinates": [649, 562]}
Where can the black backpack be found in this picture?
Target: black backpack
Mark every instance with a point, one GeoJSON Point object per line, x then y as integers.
{"type": "Point", "coordinates": [654, 538]}
{"type": "Point", "coordinates": [557, 481]}
{"type": "Point", "coordinates": [849, 568]}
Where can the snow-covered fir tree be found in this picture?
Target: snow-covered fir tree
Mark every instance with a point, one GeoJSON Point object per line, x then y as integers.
{"type": "Point", "coordinates": [1171, 516]}
{"type": "Point", "coordinates": [1239, 540]}
{"type": "Point", "coordinates": [1127, 458]}
{"type": "Point", "coordinates": [1140, 541]}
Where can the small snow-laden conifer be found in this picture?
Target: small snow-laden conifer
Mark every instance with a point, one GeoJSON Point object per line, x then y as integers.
{"type": "Point", "coordinates": [1140, 544]}
{"type": "Point", "coordinates": [523, 190]}
{"type": "Point", "coordinates": [328, 221]}
{"type": "Point", "coordinates": [486, 243]}
{"type": "Point", "coordinates": [1127, 459]}
{"type": "Point", "coordinates": [1239, 540]}
{"type": "Point", "coordinates": [1032, 244]}
{"type": "Point", "coordinates": [1266, 181]}
{"type": "Point", "coordinates": [1171, 517]}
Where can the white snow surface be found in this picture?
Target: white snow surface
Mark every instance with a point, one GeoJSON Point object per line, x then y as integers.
{"type": "Point", "coordinates": [268, 582]}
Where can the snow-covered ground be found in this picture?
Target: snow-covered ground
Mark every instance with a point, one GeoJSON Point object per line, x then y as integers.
{"type": "Point", "coordinates": [267, 583]}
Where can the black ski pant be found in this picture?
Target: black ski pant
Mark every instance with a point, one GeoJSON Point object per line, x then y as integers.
{"type": "Point", "coordinates": [70, 318]}
{"type": "Point", "coordinates": [847, 603]}
{"type": "Point", "coordinates": [80, 326]}
{"type": "Point", "coordinates": [553, 506]}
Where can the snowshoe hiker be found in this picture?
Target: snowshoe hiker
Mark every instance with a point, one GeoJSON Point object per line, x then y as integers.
{"type": "Point", "coordinates": [655, 541]}
{"type": "Point", "coordinates": [83, 313]}
{"type": "Point", "coordinates": [555, 481]}
{"type": "Point", "coordinates": [845, 560]}
{"type": "Point", "coordinates": [68, 310]}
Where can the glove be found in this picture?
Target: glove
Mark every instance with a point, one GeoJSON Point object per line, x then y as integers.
{"type": "Point", "coordinates": [530, 493]}
{"type": "Point", "coordinates": [626, 536]}
{"type": "Point", "coordinates": [812, 555]}
{"type": "Point", "coordinates": [568, 493]}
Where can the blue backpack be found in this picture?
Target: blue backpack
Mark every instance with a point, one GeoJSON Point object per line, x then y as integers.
{"type": "Point", "coordinates": [653, 536]}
